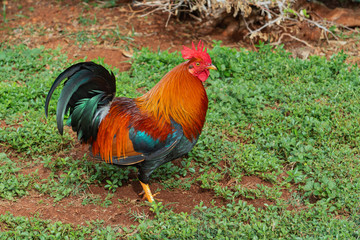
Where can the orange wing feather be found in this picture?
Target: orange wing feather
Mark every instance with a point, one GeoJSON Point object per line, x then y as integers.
{"type": "Point", "coordinates": [113, 135]}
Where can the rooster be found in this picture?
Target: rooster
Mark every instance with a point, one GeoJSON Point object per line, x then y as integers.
{"type": "Point", "coordinates": [148, 131]}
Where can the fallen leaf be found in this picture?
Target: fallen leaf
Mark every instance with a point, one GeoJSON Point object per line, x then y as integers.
{"type": "Point", "coordinates": [128, 54]}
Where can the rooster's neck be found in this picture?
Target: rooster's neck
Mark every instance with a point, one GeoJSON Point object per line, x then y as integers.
{"type": "Point", "coordinates": [180, 97]}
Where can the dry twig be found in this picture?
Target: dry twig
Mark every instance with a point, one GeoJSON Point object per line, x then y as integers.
{"type": "Point", "coordinates": [293, 37]}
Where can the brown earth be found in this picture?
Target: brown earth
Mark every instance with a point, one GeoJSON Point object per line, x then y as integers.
{"type": "Point", "coordinates": [61, 23]}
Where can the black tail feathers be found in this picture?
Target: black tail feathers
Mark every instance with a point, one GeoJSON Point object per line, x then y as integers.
{"type": "Point", "coordinates": [88, 88]}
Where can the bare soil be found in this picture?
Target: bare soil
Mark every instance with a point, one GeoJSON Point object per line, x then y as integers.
{"type": "Point", "coordinates": [58, 23]}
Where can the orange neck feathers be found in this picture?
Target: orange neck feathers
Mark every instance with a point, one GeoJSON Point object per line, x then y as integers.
{"type": "Point", "coordinates": [179, 96]}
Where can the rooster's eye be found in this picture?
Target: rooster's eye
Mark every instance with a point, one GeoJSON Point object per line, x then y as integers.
{"type": "Point", "coordinates": [197, 64]}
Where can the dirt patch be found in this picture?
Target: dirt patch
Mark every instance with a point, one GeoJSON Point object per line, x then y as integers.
{"type": "Point", "coordinates": [252, 182]}
{"type": "Point", "coordinates": [125, 204]}
{"type": "Point", "coordinates": [70, 23]}
{"type": "Point", "coordinates": [69, 210]}
{"type": "Point", "coordinates": [113, 57]}
{"type": "Point", "coordinates": [12, 154]}
{"type": "Point", "coordinates": [42, 172]}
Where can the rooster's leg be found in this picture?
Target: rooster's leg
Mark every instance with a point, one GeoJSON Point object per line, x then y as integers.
{"type": "Point", "coordinates": [147, 192]}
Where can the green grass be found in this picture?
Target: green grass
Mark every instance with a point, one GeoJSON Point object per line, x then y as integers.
{"type": "Point", "coordinates": [292, 123]}
{"type": "Point", "coordinates": [33, 228]}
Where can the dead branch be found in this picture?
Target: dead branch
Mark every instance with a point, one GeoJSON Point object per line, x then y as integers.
{"type": "Point", "coordinates": [293, 37]}
{"type": "Point", "coordinates": [277, 12]}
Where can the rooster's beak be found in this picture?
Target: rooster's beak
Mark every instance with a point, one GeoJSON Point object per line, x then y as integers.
{"type": "Point", "coordinates": [211, 67]}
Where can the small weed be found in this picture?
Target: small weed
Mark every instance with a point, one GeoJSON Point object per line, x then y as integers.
{"type": "Point", "coordinates": [91, 199]}
{"type": "Point", "coordinates": [112, 185]}
{"type": "Point", "coordinates": [157, 207]}
{"type": "Point", "coordinates": [137, 216]}
{"type": "Point", "coordinates": [4, 12]}
{"type": "Point", "coordinates": [87, 21]}
{"type": "Point", "coordinates": [107, 202]}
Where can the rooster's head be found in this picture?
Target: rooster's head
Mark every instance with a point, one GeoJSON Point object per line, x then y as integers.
{"type": "Point", "coordinates": [200, 61]}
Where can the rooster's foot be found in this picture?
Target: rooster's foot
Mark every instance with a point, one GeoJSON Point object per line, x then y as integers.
{"type": "Point", "coordinates": [147, 193]}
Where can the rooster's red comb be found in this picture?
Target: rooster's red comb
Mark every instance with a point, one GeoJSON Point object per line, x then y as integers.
{"type": "Point", "coordinates": [200, 52]}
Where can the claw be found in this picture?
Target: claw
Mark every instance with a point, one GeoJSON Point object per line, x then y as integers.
{"type": "Point", "coordinates": [147, 192]}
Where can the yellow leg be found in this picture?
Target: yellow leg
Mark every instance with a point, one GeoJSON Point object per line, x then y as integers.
{"type": "Point", "coordinates": [147, 192]}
